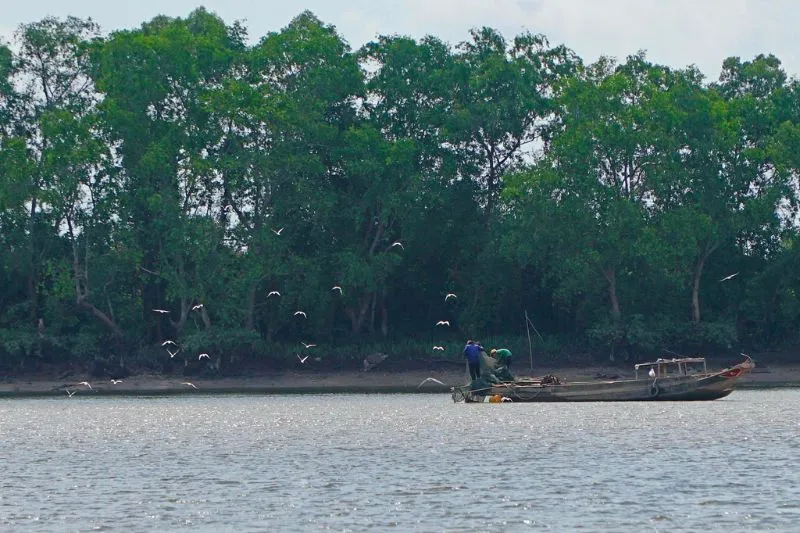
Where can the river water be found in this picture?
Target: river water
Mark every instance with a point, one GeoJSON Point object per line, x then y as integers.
{"type": "Point", "coordinates": [398, 463]}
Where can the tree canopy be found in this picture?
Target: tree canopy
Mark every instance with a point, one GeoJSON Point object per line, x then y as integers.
{"type": "Point", "coordinates": [172, 181]}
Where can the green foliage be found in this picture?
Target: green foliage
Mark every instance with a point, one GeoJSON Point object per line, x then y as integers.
{"type": "Point", "coordinates": [223, 341]}
{"type": "Point", "coordinates": [16, 345]}
{"type": "Point", "coordinates": [174, 164]}
{"type": "Point", "coordinates": [83, 347]}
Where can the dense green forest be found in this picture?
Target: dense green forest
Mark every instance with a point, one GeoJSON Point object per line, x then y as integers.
{"type": "Point", "coordinates": [628, 208]}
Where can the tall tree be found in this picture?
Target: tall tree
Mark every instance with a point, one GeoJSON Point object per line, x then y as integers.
{"type": "Point", "coordinates": [614, 141]}
{"type": "Point", "coordinates": [280, 121]}
{"type": "Point", "coordinates": [55, 105]}
{"type": "Point", "coordinates": [153, 79]}
{"type": "Point", "coordinates": [503, 104]}
{"type": "Point", "coordinates": [729, 186]}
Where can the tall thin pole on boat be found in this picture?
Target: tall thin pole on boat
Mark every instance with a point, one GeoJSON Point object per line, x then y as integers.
{"type": "Point", "coordinates": [528, 331]}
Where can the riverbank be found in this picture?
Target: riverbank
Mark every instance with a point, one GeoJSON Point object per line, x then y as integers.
{"type": "Point", "coordinates": [296, 382]}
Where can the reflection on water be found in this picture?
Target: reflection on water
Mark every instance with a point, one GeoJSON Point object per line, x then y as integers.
{"type": "Point", "coordinates": [402, 462]}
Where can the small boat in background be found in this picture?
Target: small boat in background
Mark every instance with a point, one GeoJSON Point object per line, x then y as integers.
{"type": "Point", "coordinates": [682, 379]}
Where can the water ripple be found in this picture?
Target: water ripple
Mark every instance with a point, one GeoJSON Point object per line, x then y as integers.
{"type": "Point", "coordinates": [398, 462]}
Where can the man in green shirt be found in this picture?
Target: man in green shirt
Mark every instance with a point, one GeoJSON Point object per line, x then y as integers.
{"type": "Point", "coordinates": [503, 357]}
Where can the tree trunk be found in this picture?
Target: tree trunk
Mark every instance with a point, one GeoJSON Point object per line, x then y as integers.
{"type": "Point", "coordinates": [150, 297]}
{"type": "Point", "coordinates": [179, 324]}
{"type": "Point", "coordinates": [250, 319]}
{"type": "Point", "coordinates": [698, 274]}
{"type": "Point", "coordinates": [81, 293]}
{"type": "Point", "coordinates": [384, 318]}
{"type": "Point", "coordinates": [81, 281]}
{"type": "Point", "coordinates": [33, 273]}
{"type": "Point", "coordinates": [372, 306]}
{"type": "Point", "coordinates": [205, 318]}
{"type": "Point", "coordinates": [101, 316]}
{"type": "Point", "coordinates": [357, 316]}
{"type": "Point", "coordinates": [611, 276]}
{"type": "Point", "coordinates": [33, 293]}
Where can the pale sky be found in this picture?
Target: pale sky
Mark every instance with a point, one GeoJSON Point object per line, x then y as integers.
{"type": "Point", "coordinates": [676, 33]}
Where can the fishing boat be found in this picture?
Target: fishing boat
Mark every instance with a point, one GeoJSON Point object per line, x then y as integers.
{"type": "Point", "coordinates": [681, 379]}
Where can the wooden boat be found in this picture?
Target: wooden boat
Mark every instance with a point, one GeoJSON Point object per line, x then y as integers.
{"type": "Point", "coordinates": [685, 378]}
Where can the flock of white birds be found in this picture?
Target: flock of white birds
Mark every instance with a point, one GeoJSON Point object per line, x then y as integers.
{"type": "Point", "coordinates": [174, 349]}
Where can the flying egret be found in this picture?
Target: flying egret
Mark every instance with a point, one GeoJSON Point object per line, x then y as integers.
{"type": "Point", "coordinates": [438, 348]}
{"type": "Point", "coordinates": [116, 381]}
{"type": "Point", "coordinates": [277, 232]}
{"type": "Point", "coordinates": [168, 342]}
{"type": "Point", "coordinates": [85, 384]}
{"type": "Point", "coordinates": [337, 288]}
{"type": "Point", "coordinates": [443, 323]}
{"type": "Point", "coordinates": [300, 313]}
{"type": "Point", "coordinates": [189, 384]}
{"type": "Point", "coordinates": [273, 293]}
{"type": "Point", "coordinates": [449, 295]}
{"type": "Point", "coordinates": [162, 311]}
{"type": "Point", "coordinates": [70, 393]}
{"type": "Point", "coordinates": [397, 243]}
{"type": "Point", "coordinates": [432, 380]}
{"type": "Point", "coordinates": [302, 359]}
{"type": "Point", "coordinates": [203, 356]}
{"type": "Point", "coordinates": [173, 354]}
{"type": "Point", "coordinates": [726, 278]}
{"type": "Point", "coordinates": [307, 345]}
{"type": "Point", "coordinates": [196, 307]}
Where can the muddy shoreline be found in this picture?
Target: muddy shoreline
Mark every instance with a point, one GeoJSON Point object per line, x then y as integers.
{"type": "Point", "coordinates": [294, 382]}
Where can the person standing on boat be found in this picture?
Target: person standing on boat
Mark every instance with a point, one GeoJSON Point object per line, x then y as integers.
{"type": "Point", "coordinates": [472, 353]}
{"type": "Point", "coordinates": [503, 357]}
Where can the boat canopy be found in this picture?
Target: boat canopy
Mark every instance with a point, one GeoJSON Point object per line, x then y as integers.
{"type": "Point", "coordinates": [665, 367]}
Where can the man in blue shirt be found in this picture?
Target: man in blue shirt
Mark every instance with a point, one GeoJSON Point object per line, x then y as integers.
{"type": "Point", "coordinates": [472, 352]}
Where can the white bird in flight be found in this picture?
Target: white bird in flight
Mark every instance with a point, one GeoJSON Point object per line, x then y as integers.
{"type": "Point", "coordinates": [726, 278]}
{"type": "Point", "coordinates": [433, 380]}
{"type": "Point", "coordinates": [652, 373]}
{"type": "Point", "coordinates": [302, 359]}
{"type": "Point", "coordinates": [173, 354]}
{"type": "Point", "coordinates": [189, 384]}
{"type": "Point", "coordinates": [162, 311]}
{"type": "Point", "coordinates": [337, 288]}
{"type": "Point", "coordinates": [203, 356]}
{"type": "Point", "coordinates": [449, 295]}
{"type": "Point", "coordinates": [505, 399]}
{"type": "Point", "coordinates": [86, 384]}
{"type": "Point", "coordinates": [116, 381]}
{"type": "Point", "coordinates": [70, 393]}
{"type": "Point", "coordinates": [168, 342]}
{"type": "Point", "coordinates": [397, 243]}
{"type": "Point", "coordinates": [277, 232]}
{"type": "Point", "coordinates": [196, 307]}
{"type": "Point", "coordinates": [307, 345]}
{"type": "Point", "coordinates": [443, 323]}
{"type": "Point", "coordinates": [273, 293]}
{"type": "Point", "coordinates": [438, 348]}
{"type": "Point", "coordinates": [300, 313]}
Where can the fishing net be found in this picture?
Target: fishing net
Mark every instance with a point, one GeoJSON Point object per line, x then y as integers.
{"type": "Point", "coordinates": [493, 371]}
{"type": "Point", "coordinates": [491, 374]}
